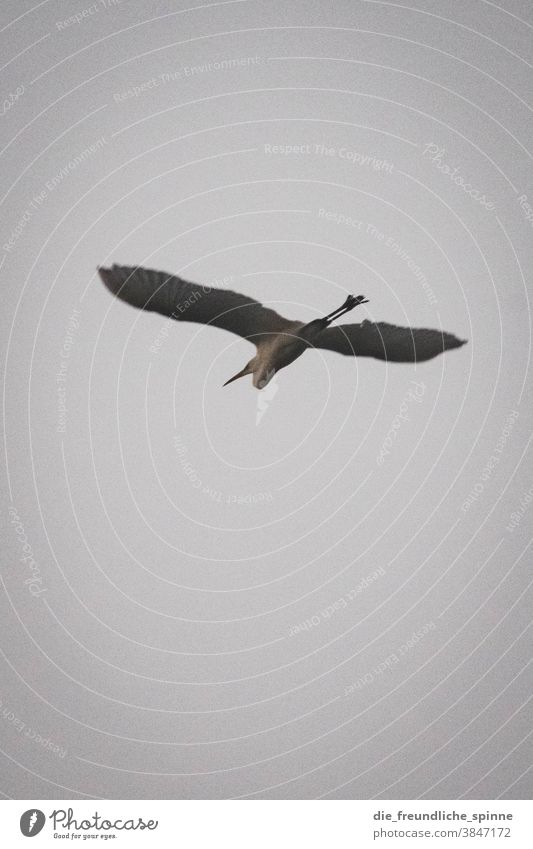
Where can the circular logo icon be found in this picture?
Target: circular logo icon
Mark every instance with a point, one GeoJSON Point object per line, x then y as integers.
{"type": "Point", "coordinates": [32, 822]}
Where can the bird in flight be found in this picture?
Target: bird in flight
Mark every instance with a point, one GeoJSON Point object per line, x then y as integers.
{"type": "Point", "coordinates": [279, 341]}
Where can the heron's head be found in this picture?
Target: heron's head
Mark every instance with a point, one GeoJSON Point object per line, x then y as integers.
{"type": "Point", "coordinates": [263, 376]}
{"type": "Point", "coordinates": [249, 368]}
{"type": "Point", "coordinates": [262, 373]}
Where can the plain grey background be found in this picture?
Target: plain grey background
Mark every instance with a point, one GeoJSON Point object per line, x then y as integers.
{"type": "Point", "coordinates": [319, 591]}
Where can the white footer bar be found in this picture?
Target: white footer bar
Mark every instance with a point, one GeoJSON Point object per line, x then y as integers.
{"type": "Point", "coordinates": [268, 824]}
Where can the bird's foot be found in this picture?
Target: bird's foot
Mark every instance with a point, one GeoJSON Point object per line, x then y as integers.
{"type": "Point", "coordinates": [350, 302]}
{"type": "Point", "coordinates": [354, 301]}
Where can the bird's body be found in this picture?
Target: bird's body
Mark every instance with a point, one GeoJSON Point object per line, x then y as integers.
{"type": "Point", "coordinates": [279, 341]}
{"type": "Point", "coordinates": [274, 353]}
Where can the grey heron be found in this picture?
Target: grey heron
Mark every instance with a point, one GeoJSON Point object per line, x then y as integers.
{"type": "Point", "coordinates": [278, 340]}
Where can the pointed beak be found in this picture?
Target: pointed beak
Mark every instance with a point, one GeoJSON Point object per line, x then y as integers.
{"type": "Point", "coordinates": [242, 373]}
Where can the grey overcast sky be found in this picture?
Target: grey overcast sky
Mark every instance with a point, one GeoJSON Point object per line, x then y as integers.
{"type": "Point", "coordinates": [321, 590]}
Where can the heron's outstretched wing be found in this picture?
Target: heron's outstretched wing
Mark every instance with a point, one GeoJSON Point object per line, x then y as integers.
{"type": "Point", "coordinates": [387, 341]}
{"type": "Point", "coordinates": [171, 296]}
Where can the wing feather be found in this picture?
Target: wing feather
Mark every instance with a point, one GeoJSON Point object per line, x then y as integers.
{"type": "Point", "coordinates": [181, 300]}
{"type": "Point", "coordinates": [387, 341]}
